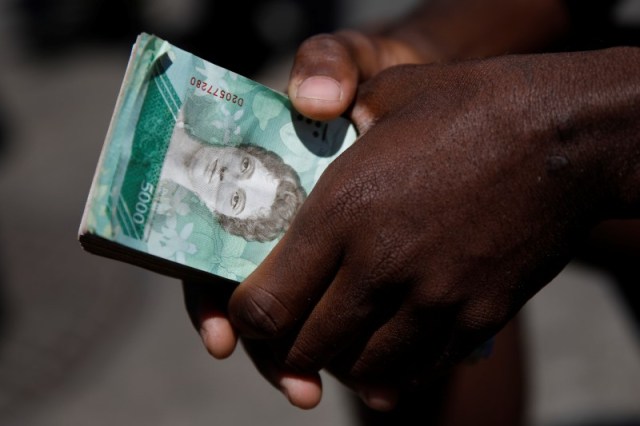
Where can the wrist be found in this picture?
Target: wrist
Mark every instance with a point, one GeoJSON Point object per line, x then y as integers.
{"type": "Point", "coordinates": [444, 31]}
{"type": "Point", "coordinates": [592, 108]}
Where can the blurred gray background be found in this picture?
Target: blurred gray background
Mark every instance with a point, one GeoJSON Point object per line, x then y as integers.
{"type": "Point", "coordinates": [87, 340]}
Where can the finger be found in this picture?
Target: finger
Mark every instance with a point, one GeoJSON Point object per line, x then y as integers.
{"type": "Point", "coordinates": [399, 352]}
{"type": "Point", "coordinates": [205, 305]}
{"type": "Point", "coordinates": [280, 293]}
{"type": "Point", "coordinates": [218, 335]}
{"type": "Point", "coordinates": [432, 344]}
{"type": "Point", "coordinates": [303, 391]}
{"type": "Point", "coordinates": [328, 68]}
{"type": "Point", "coordinates": [348, 313]}
{"type": "Point", "coordinates": [323, 78]}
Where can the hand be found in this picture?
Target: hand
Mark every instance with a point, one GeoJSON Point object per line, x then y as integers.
{"type": "Point", "coordinates": [423, 239]}
{"type": "Point", "coordinates": [336, 64]}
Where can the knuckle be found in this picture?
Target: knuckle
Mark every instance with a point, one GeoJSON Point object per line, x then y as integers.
{"type": "Point", "coordinates": [325, 46]}
{"type": "Point", "coordinates": [437, 295]}
{"type": "Point", "coordinates": [392, 258]}
{"type": "Point", "coordinates": [259, 313]}
{"type": "Point", "coordinates": [322, 41]}
{"type": "Point", "coordinates": [485, 316]}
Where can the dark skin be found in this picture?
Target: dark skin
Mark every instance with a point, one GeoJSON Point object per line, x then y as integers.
{"type": "Point", "coordinates": [470, 188]}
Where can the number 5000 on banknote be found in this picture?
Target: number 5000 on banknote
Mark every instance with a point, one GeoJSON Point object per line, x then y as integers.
{"type": "Point", "coordinates": [202, 169]}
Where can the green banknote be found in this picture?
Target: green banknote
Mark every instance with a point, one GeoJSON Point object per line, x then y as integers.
{"type": "Point", "coordinates": [202, 169]}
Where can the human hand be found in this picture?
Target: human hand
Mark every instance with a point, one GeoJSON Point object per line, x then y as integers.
{"type": "Point", "coordinates": [324, 80]}
{"type": "Point", "coordinates": [345, 58]}
{"type": "Point", "coordinates": [424, 238]}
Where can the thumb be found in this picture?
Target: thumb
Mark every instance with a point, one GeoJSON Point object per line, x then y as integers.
{"type": "Point", "coordinates": [324, 77]}
{"type": "Point", "coordinates": [328, 68]}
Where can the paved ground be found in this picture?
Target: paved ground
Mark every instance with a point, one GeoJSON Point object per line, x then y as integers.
{"type": "Point", "coordinates": [91, 341]}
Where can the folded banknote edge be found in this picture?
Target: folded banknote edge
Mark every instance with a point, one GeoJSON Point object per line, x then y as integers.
{"type": "Point", "coordinates": [104, 247]}
{"type": "Point", "coordinates": [107, 140]}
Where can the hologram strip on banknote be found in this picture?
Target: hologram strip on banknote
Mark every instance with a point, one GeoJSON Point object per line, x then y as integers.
{"type": "Point", "coordinates": [202, 169]}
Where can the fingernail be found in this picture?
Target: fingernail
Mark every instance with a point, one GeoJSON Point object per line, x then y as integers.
{"type": "Point", "coordinates": [378, 399]}
{"type": "Point", "coordinates": [320, 88]}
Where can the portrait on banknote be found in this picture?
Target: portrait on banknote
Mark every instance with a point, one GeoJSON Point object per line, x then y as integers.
{"type": "Point", "coordinates": [250, 190]}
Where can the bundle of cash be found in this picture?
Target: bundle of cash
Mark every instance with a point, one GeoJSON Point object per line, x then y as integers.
{"type": "Point", "coordinates": [202, 169]}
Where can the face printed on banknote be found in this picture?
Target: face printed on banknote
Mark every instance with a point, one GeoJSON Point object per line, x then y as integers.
{"type": "Point", "coordinates": [231, 182]}
{"type": "Point", "coordinates": [252, 192]}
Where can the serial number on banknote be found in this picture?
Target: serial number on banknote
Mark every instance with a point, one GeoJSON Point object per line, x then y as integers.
{"type": "Point", "coordinates": [216, 91]}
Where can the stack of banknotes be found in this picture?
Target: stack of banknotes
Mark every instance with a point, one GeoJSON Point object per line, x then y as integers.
{"type": "Point", "coordinates": [202, 169]}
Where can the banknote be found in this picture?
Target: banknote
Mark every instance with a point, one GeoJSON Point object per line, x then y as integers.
{"type": "Point", "coordinates": [202, 169]}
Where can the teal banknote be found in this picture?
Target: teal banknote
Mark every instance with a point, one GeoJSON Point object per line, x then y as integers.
{"type": "Point", "coordinates": [202, 169]}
